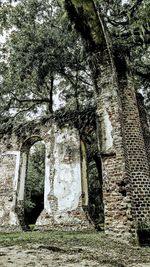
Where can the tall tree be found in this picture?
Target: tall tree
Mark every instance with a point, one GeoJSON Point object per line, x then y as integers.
{"type": "Point", "coordinates": [37, 58]}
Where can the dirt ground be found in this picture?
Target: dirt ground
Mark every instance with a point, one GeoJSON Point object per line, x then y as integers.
{"type": "Point", "coordinates": [56, 249]}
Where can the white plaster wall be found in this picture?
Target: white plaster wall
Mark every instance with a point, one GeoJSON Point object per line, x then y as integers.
{"type": "Point", "coordinates": [67, 186]}
{"type": "Point", "coordinates": [15, 182]}
{"type": "Point", "coordinates": [16, 167]}
{"type": "Point", "coordinates": [108, 130]}
{"type": "Point", "coordinates": [84, 174]}
{"type": "Point", "coordinates": [10, 205]}
{"type": "Point", "coordinates": [47, 178]}
{"type": "Point", "coordinates": [67, 172]}
{"type": "Point", "coordinates": [23, 168]}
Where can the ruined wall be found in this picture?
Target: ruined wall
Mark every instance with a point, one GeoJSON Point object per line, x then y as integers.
{"type": "Point", "coordinates": [136, 155]}
{"type": "Point", "coordinates": [145, 125]}
{"type": "Point", "coordinates": [126, 179]}
{"type": "Point", "coordinates": [63, 190]}
{"type": "Point", "coordinates": [9, 167]}
{"type": "Point", "coordinates": [124, 149]}
{"type": "Point", "coordinates": [63, 199]}
{"type": "Point", "coordinates": [116, 175]}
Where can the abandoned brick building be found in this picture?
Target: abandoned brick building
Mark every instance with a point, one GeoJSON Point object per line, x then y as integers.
{"type": "Point", "coordinates": [124, 149]}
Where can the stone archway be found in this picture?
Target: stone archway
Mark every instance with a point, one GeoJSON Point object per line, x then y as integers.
{"type": "Point", "coordinates": [23, 173]}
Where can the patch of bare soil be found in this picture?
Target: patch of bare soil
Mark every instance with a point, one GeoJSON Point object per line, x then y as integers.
{"type": "Point", "coordinates": [43, 256]}
{"type": "Point", "coordinates": [69, 250]}
{"type": "Point", "coordinates": [52, 256]}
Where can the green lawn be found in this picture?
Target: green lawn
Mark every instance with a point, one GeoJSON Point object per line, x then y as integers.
{"type": "Point", "coordinates": [60, 237]}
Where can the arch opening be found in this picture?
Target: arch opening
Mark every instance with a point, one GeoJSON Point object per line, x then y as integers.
{"type": "Point", "coordinates": [30, 202]}
{"type": "Point", "coordinates": [34, 185]}
{"type": "Point", "coordinates": [92, 170]}
{"type": "Point", "coordinates": [96, 205]}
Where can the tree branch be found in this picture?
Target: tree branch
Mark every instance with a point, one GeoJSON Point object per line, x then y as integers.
{"type": "Point", "coordinates": [46, 100]}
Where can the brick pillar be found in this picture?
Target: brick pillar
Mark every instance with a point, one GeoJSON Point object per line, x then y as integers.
{"type": "Point", "coordinates": [136, 151]}
{"type": "Point", "coordinates": [144, 125]}
{"type": "Point", "coordinates": [116, 175]}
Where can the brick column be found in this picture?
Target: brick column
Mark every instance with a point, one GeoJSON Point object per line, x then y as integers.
{"type": "Point", "coordinates": [116, 175]}
{"type": "Point", "coordinates": [144, 125]}
{"type": "Point", "coordinates": [137, 156]}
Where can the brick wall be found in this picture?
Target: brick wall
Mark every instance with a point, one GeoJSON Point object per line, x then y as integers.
{"type": "Point", "coordinates": [136, 153]}
{"type": "Point", "coordinates": [116, 174]}
{"type": "Point", "coordinates": [144, 123]}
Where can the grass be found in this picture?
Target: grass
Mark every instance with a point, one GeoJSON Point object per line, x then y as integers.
{"type": "Point", "coordinates": [60, 237]}
{"type": "Point", "coordinates": [93, 245]}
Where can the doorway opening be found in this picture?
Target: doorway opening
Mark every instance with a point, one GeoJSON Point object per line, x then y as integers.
{"type": "Point", "coordinates": [34, 184]}
{"type": "Point", "coordinates": [30, 187]}
{"type": "Point", "coordinates": [94, 175]}
{"type": "Point", "coordinates": [95, 187]}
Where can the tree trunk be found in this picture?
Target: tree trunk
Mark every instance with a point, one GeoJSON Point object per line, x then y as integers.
{"type": "Point", "coordinates": [50, 90]}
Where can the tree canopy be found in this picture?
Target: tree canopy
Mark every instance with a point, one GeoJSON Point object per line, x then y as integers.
{"type": "Point", "coordinates": [42, 53]}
